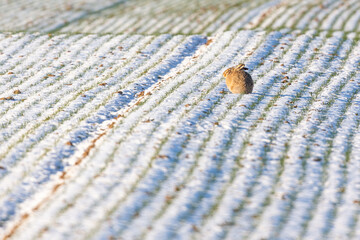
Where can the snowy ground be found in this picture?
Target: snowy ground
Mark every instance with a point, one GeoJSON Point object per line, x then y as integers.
{"type": "Point", "coordinates": [116, 123]}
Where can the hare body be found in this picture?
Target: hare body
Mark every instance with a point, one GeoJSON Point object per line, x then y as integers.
{"type": "Point", "coordinates": [237, 80]}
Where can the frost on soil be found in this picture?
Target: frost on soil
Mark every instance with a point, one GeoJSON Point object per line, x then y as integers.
{"type": "Point", "coordinates": [106, 133]}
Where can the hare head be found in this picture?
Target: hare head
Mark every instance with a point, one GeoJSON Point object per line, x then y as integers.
{"type": "Point", "coordinates": [239, 67]}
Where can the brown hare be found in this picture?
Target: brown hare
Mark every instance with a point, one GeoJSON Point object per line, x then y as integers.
{"type": "Point", "coordinates": [237, 80]}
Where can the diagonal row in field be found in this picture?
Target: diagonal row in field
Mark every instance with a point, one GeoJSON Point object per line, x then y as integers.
{"type": "Point", "coordinates": [63, 103]}
{"type": "Point", "coordinates": [45, 16]}
{"type": "Point", "coordinates": [177, 16]}
{"type": "Point", "coordinates": [213, 16]}
{"type": "Point", "coordinates": [178, 153]}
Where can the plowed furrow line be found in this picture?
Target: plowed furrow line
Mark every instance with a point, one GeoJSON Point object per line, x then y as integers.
{"type": "Point", "coordinates": [290, 122]}
{"type": "Point", "coordinates": [166, 49]}
{"type": "Point", "coordinates": [249, 14]}
{"type": "Point", "coordinates": [232, 149]}
{"type": "Point", "coordinates": [219, 148]}
{"type": "Point", "coordinates": [311, 166]}
{"type": "Point", "coordinates": [297, 102]}
{"type": "Point", "coordinates": [75, 112]}
{"type": "Point", "coordinates": [266, 129]}
{"type": "Point", "coordinates": [129, 122]}
{"type": "Point", "coordinates": [199, 117]}
{"type": "Point", "coordinates": [33, 101]}
{"type": "Point", "coordinates": [324, 210]}
{"type": "Point", "coordinates": [191, 156]}
{"type": "Point", "coordinates": [12, 49]}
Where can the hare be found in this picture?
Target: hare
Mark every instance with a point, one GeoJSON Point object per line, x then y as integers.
{"type": "Point", "coordinates": [237, 80]}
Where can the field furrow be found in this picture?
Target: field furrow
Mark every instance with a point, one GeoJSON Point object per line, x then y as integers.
{"type": "Point", "coordinates": [116, 121]}
{"type": "Point", "coordinates": [213, 16]}
{"type": "Point", "coordinates": [170, 136]}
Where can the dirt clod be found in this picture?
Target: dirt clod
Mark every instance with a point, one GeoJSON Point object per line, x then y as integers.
{"type": "Point", "coordinates": [141, 94]}
{"type": "Point", "coordinates": [208, 42]}
{"type": "Point", "coordinates": [7, 98]}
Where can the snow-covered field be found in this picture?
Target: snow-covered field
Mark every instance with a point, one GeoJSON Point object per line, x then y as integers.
{"type": "Point", "coordinates": [116, 123]}
{"type": "Point", "coordinates": [209, 16]}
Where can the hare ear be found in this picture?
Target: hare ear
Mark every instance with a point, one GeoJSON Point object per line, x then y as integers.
{"type": "Point", "coordinates": [226, 72]}
{"type": "Point", "coordinates": [240, 66]}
